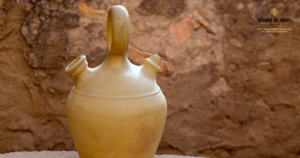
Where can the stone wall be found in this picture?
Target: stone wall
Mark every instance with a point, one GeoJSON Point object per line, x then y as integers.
{"type": "Point", "coordinates": [231, 90]}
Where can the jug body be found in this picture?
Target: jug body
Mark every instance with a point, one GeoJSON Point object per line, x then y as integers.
{"type": "Point", "coordinates": [116, 127]}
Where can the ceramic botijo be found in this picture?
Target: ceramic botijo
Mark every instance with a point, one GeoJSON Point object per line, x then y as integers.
{"type": "Point", "coordinates": [116, 110]}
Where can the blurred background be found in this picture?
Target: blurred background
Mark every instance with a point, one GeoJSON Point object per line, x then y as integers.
{"type": "Point", "coordinates": [232, 91]}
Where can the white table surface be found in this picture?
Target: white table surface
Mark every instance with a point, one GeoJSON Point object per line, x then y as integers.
{"type": "Point", "coordinates": [63, 154]}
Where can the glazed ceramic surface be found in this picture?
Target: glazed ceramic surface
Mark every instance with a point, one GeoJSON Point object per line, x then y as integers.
{"type": "Point", "coordinates": [116, 110]}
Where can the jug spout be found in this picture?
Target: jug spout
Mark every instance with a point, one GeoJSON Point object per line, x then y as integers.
{"type": "Point", "coordinates": [151, 66]}
{"type": "Point", "coordinates": [79, 69]}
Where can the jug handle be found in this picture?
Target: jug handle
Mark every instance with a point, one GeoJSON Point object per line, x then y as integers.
{"type": "Point", "coordinates": [117, 31]}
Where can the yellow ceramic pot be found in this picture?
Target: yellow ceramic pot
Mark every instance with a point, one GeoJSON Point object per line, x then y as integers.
{"type": "Point", "coordinates": [116, 110]}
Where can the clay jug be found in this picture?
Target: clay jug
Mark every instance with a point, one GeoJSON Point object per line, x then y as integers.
{"type": "Point", "coordinates": [116, 110]}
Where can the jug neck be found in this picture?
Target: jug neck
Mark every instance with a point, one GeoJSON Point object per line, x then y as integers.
{"type": "Point", "coordinates": [116, 61]}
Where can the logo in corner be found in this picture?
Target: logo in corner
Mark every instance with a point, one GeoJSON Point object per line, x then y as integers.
{"type": "Point", "coordinates": [274, 24]}
{"type": "Point", "coordinates": [274, 12]}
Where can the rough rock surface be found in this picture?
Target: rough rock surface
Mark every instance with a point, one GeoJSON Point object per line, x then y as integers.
{"type": "Point", "coordinates": [231, 91]}
{"type": "Point", "coordinates": [64, 154]}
